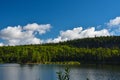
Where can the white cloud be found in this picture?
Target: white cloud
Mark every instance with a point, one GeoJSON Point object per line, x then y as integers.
{"type": "Point", "coordinates": [114, 22]}
{"type": "Point", "coordinates": [39, 28]}
{"type": "Point", "coordinates": [19, 35]}
{"type": "Point", "coordinates": [114, 26]}
{"type": "Point", "coordinates": [11, 32]}
{"type": "Point", "coordinates": [1, 44]}
{"type": "Point", "coordinates": [78, 32]}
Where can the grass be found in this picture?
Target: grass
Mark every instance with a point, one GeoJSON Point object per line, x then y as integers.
{"type": "Point", "coordinates": [64, 75]}
{"type": "Point", "coordinates": [64, 63]}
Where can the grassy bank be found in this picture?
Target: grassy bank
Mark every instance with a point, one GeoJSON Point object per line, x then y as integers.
{"type": "Point", "coordinates": [61, 63]}
{"type": "Point", "coordinates": [65, 63]}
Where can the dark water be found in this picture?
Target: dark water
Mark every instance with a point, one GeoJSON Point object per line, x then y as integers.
{"type": "Point", "coordinates": [48, 72]}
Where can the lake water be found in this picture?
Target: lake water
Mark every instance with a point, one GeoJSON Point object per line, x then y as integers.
{"type": "Point", "coordinates": [48, 72]}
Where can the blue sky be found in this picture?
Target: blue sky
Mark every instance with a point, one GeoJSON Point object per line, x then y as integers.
{"type": "Point", "coordinates": [63, 17]}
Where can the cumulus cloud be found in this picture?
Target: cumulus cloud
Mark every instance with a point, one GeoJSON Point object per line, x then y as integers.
{"type": "Point", "coordinates": [39, 28]}
{"type": "Point", "coordinates": [77, 33]}
{"type": "Point", "coordinates": [114, 26]}
{"type": "Point", "coordinates": [19, 35]}
{"type": "Point", "coordinates": [114, 22]}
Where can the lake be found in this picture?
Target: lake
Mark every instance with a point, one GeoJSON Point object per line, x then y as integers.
{"type": "Point", "coordinates": [48, 72]}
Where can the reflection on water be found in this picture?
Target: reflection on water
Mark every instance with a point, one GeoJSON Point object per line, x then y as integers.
{"type": "Point", "coordinates": [48, 72]}
{"type": "Point", "coordinates": [96, 73]}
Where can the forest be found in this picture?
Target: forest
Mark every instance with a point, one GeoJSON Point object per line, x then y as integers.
{"type": "Point", "coordinates": [98, 50]}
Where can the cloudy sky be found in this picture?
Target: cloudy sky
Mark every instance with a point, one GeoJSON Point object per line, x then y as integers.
{"type": "Point", "coordinates": [43, 21]}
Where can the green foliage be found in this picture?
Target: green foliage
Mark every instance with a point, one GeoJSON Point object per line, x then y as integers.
{"type": "Point", "coordinates": [64, 75]}
{"type": "Point", "coordinates": [64, 63]}
{"type": "Point", "coordinates": [104, 42]}
{"type": "Point", "coordinates": [99, 50]}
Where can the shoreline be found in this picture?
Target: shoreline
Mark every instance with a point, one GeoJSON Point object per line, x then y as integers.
{"type": "Point", "coordinates": [61, 63]}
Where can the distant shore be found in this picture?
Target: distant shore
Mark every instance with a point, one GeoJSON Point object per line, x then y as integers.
{"type": "Point", "coordinates": [61, 63]}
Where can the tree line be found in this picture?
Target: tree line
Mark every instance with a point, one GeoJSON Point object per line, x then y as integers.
{"type": "Point", "coordinates": [99, 50]}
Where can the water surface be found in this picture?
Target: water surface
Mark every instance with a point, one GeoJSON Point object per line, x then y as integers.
{"type": "Point", "coordinates": [48, 72]}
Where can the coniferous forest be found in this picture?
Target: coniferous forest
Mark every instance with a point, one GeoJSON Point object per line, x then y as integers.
{"type": "Point", "coordinates": [98, 50]}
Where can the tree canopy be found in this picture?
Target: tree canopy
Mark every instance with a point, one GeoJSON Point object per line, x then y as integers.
{"type": "Point", "coordinates": [98, 50]}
